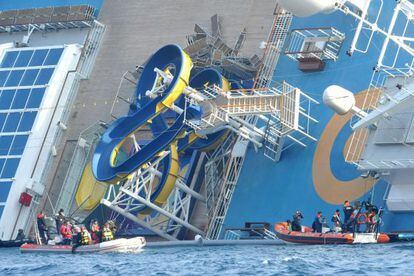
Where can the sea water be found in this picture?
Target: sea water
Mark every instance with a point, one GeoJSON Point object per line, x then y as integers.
{"type": "Point", "coordinates": [389, 259]}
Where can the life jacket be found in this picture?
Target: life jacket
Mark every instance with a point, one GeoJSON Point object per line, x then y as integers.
{"type": "Point", "coordinates": [107, 234]}
{"type": "Point", "coordinates": [66, 232]}
{"type": "Point", "coordinates": [84, 237]}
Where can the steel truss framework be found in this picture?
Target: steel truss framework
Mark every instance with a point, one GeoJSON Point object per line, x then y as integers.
{"type": "Point", "coordinates": [278, 108]}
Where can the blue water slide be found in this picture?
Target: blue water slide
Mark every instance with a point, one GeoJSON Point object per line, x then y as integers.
{"type": "Point", "coordinates": [104, 165]}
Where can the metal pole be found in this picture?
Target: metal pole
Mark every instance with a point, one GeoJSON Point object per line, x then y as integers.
{"type": "Point", "coordinates": [135, 219]}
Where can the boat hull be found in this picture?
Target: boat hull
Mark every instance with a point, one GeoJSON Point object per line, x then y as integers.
{"type": "Point", "coordinates": [308, 237]}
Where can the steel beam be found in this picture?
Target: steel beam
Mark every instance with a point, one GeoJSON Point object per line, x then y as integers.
{"type": "Point", "coordinates": [137, 220]}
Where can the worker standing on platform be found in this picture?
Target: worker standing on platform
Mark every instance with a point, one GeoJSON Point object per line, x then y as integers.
{"type": "Point", "coordinates": [317, 223]}
{"type": "Point", "coordinates": [60, 218]}
{"type": "Point", "coordinates": [296, 224]}
{"type": "Point", "coordinates": [348, 210]}
{"type": "Point", "coordinates": [41, 226]}
{"type": "Point", "coordinates": [336, 219]}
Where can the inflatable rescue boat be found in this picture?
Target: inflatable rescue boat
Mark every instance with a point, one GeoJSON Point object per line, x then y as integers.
{"type": "Point", "coordinates": [118, 245]}
{"type": "Point", "coordinates": [307, 236]}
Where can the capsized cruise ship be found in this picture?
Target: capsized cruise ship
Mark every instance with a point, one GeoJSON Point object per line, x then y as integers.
{"type": "Point", "coordinates": [242, 113]}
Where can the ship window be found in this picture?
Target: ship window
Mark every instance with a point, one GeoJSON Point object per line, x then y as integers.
{"type": "Point", "coordinates": [9, 59]}
{"type": "Point", "coordinates": [38, 57]}
{"type": "Point", "coordinates": [10, 167]}
{"type": "Point", "coordinates": [4, 192]}
{"type": "Point", "coordinates": [20, 99]}
{"type": "Point", "coordinates": [35, 98]}
{"type": "Point", "coordinates": [6, 98]}
{"type": "Point", "coordinates": [29, 77]}
{"type": "Point", "coordinates": [12, 122]}
{"type": "Point", "coordinates": [53, 56]}
{"type": "Point", "coordinates": [5, 143]}
{"type": "Point", "coordinates": [2, 161]}
{"type": "Point", "coordinates": [14, 78]}
{"type": "Point", "coordinates": [23, 59]}
{"type": "Point", "coordinates": [27, 121]}
{"type": "Point", "coordinates": [3, 77]}
{"type": "Point", "coordinates": [44, 76]}
{"type": "Point", "coordinates": [19, 144]}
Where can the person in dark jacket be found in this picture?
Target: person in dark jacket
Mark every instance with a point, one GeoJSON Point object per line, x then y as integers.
{"type": "Point", "coordinates": [41, 226]}
{"type": "Point", "coordinates": [296, 224]}
{"type": "Point", "coordinates": [348, 210]}
{"type": "Point", "coordinates": [60, 218]}
{"type": "Point", "coordinates": [317, 223]}
{"type": "Point", "coordinates": [337, 223]}
{"type": "Point", "coordinates": [20, 235]}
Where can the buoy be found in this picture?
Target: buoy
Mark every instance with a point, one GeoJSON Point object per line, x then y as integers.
{"type": "Point", "coordinates": [383, 238]}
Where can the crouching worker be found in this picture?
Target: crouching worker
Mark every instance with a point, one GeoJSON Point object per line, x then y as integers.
{"type": "Point", "coordinates": [107, 234]}
{"type": "Point", "coordinates": [66, 232]}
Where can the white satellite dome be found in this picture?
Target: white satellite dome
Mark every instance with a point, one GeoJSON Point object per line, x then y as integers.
{"type": "Point", "coordinates": [339, 99]}
{"type": "Point", "coordinates": [304, 8]}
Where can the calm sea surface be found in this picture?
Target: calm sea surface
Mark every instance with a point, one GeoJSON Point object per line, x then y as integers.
{"type": "Point", "coordinates": [392, 259]}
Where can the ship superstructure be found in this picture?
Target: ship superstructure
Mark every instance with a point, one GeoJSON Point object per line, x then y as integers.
{"type": "Point", "coordinates": [40, 72]}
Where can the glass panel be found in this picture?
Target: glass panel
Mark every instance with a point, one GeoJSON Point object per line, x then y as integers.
{"type": "Point", "coordinates": [9, 59]}
{"type": "Point", "coordinates": [20, 99]}
{"type": "Point", "coordinates": [12, 122]}
{"type": "Point", "coordinates": [4, 191]}
{"type": "Point", "coordinates": [23, 59]}
{"type": "Point", "coordinates": [3, 77]}
{"type": "Point", "coordinates": [10, 167]}
{"type": "Point", "coordinates": [53, 56]}
{"type": "Point", "coordinates": [2, 161]}
{"type": "Point", "coordinates": [5, 143]}
{"type": "Point", "coordinates": [44, 76]}
{"type": "Point", "coordinates": [35, 98]}
{"type": "Point", "coordinates": [29, 77]}
{"type": "Point", "coordinates": [6, 98]}
{"type": "Point", "coordinates": [2, 120]}
{"type": "Point", "coordinates": [14, 78]}
{"type": "Point", "coordinates": [38, 57]}
{"type": "Point", "coordinates": [18, 145]}
{"type": "Point", "coordinates": [27, 121]}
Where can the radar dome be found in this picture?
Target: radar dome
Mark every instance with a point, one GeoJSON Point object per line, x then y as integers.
{"type": "Point", "coordinates": [339, 99]}
{"type": "Point", "coordinates": [304, 8]}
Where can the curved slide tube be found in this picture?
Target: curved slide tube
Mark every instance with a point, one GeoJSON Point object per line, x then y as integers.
{"type": "Point", "coordinates": [104, 163]}
{"type": "Point", "coordinates": [115, 158]}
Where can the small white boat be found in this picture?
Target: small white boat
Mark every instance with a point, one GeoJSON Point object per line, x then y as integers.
{"type": "Point", "coordinates": [132, 245]}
